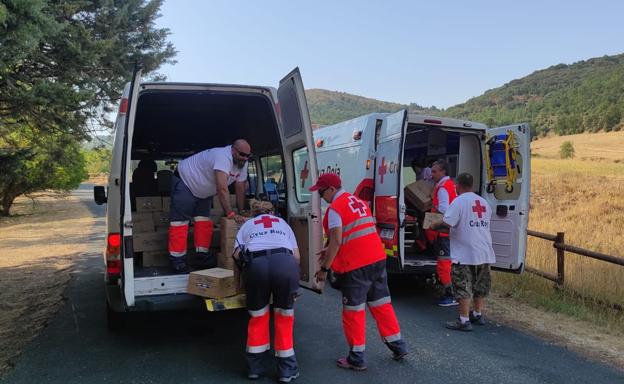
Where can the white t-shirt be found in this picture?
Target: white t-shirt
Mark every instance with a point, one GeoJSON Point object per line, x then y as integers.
{"type": "Point", "coordinates": [265, 232]}
{"type": "Point", "coordinates": [471, 242]}
{"type": "Point", "coordinates": [443, 196]}
{"type": "Point", "coordinates": [334, 220]}
{"type": "Point", "coordinates": [198, 171]}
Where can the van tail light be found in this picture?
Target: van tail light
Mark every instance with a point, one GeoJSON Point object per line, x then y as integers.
{"type": "Point", "coordinates": [113, 255]}
{"type": "Point", "coordinates": [123, 107]}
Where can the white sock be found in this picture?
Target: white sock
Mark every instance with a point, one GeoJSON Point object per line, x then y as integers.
{"type": "Point", "coordinates": [475, 313]}
{"type": "Point", "coordinates": [463, 319]}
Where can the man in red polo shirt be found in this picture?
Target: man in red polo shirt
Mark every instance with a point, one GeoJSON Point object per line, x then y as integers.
{"type": "Point", "coordinates": [356, 254]}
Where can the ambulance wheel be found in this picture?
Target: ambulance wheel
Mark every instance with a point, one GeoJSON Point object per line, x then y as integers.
{"type": "Point", "coordinates": [115, 321]}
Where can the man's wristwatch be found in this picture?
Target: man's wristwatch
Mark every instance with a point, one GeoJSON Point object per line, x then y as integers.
{"type": "Point", "coordinates": [324, 269]}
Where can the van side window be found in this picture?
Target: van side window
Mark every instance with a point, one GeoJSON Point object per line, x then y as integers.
{"type": "Point", "coordinates": [303, 179]}
{"type": "Point", "coordinates": [272, 176]}
{"type": "Point", "coordinates": [252, 179]}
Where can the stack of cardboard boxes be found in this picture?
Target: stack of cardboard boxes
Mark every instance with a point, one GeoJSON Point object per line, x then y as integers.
{"type": "Point", "coordinates": [418, 194]}
{"type": "Point", "coordinates": [150, 237]}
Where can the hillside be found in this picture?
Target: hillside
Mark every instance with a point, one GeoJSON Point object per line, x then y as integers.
{"type": "Point", "coordinates": [564, 99]}
{"type": "Point", "coordinates": [606, 147]}
{"type": "Point", "coordinates": [330, 107]}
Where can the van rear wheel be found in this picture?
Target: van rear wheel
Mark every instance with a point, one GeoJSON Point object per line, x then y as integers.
{"type": "Point", "coordinates": [115, 321]}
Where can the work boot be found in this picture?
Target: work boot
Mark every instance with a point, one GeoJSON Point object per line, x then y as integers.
{"type": "Point", "coordinates": [457, 325]}
{"type": "Point", "coordinates": [178, 264]}
{"type": "Point", "coordinates": [476, 320]}
{"type": "Point", "coordinates": [288, 379]}
{"type": "Point", "coordinates": [344, 363]}
{"type": "Point", "coordinates": [205, 260]}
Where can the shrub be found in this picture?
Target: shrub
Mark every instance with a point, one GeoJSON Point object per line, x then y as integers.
{"type": "Point", "coordinates": [566, 151]}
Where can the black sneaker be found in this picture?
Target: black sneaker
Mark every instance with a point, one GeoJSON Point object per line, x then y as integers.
{"type": "Point", "coordinates": [398, 356]}
{"type": "Point", "coordinates": [457, 325]}
{"type": "Point", "coordinates": [476, 320]}
{"type": "Point", "coordinates": [178, 264]}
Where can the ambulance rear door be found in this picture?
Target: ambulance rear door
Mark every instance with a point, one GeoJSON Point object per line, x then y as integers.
{"type": "Point", "coordinates": [510, 203]}
{"type": "Point", "coordinates": [389, 203]}
{"type": "Point", "coordinates": [303, 207]}
{"type": "Point", "coordinates": [127, 250]}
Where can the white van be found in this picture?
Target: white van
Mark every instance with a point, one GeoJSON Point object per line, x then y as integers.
{"type": "Point", "coordinates": [372, 154]}
{"type": "Point", "coordinates": [166, 122]}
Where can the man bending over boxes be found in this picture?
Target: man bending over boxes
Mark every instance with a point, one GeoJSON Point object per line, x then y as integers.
{"type": "Point", "coordinates": [197, 179]}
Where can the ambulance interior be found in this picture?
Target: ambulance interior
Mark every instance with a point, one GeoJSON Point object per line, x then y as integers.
{"type": "Point", "coordinates": [172, 125]}
{"type": "Point", "coordinates": [425, 144]}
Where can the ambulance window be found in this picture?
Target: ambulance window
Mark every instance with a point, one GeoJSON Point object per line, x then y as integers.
{"type": "Point", "coordinates": [272, 174]}
{"type": "Point", "coordinates": [302, 174]}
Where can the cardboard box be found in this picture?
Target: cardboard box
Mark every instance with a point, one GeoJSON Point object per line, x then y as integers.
{"type": "Point", "coordinates": [160, 219]}
{"type": "Point", "coordinates": [418, 194]}
{"type": "Point", "coordinates": [238, 280]}
{"type": "Point", "coordinates": [150, 241]}
{"type": "Point", "coordinates": [431, 217]}
{"type": "Point", "coordinates": [217, 208]}
{"type": "Point", "coordinates": [166, 203]}
{"type": "Point", "coordinates": [224, 261]}
{"type": "Point", "coordinates": [156, 259]}
{"type": "Point", "coordinates": [148, 204]}
{"type": "Point", "coordinates": [214, 282]}
{"type": "Point", "coordinates": [142, 222]}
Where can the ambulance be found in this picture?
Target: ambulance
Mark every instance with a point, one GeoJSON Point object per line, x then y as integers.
{"type": "Point", "coordinates": [373, 154]}
{"type": "Point", "coordinates": [162, 123]}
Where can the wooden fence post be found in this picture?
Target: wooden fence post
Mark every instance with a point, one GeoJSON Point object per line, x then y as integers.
{"type": "Point", "coordinates": [560, 259]}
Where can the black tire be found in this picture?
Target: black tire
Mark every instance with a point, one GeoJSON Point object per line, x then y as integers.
{"type": "Point", "coordinates": [115, 321]}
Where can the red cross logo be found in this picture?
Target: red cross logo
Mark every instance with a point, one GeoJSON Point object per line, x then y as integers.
{"type": "Point", "coordinates": [267, 221]}
{"type": "Point", "coordinates": [304, 174]}
{"type": "Point", "coordinates": [478, 208]}
{"type": "Point", "coordinates": [357, 206]}
{"type": "Point", "coordinates": [383, 168]}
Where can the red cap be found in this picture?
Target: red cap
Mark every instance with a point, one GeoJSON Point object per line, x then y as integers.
{"type": "Point", "coordinates": [326, 180]}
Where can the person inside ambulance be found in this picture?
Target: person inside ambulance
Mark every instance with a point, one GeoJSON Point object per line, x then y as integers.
{"type": "Point", "coordinates": [421, 170]}
{"type": "Point", "coordinates": [468, 218]}
{"type": "Point", "coordinates": [194, 183]}
{"type": "Point", "coordinates": [356, 254]}
{"type": "Point", "coordinates": [443, 194]}
{"type": "Point", "coordinates": [267, 251]}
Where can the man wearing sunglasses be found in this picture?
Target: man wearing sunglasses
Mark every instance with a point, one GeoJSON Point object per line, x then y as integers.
{"type": "Point", "coordinates": [193, 185]}
{"type": "Point", "coordinates": [355, 251]}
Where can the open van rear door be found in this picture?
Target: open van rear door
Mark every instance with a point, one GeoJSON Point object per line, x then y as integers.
{"type": "Point", "coordinates": [127, 251]}
{"type": "Point", "coordinates": [389, 200]}
{"type": "Point", "coordinates": [506, 186]}
{"type": "Point", "coordinates": [304, 208]}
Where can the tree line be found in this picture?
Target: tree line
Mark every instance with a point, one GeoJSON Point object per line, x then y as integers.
{"type": "Point", "coordinates": [63, 66]}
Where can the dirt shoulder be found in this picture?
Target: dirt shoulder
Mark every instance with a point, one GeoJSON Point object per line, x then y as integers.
{"type": "Point", "coordinates": [587, 339]}
{"type": "Point", "coordinates": [40, 244]}
{"type": "Point", "coordinates": [48, 236]}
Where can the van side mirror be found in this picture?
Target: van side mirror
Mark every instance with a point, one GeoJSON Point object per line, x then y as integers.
{"type": "Point", "coordinates": [99, 194]}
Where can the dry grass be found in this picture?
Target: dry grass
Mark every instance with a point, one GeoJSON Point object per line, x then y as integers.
{"type": "Point", "coordinates": [39, 244]}
{"type": "Point", "coordinates": [583, 198]}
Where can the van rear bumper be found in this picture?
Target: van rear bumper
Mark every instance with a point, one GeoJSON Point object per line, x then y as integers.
{"type": "Point", "coordinates": [168, 302]}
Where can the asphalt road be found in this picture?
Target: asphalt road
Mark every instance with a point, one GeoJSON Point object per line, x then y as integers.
{"type": "Point", "coordinates": [195, 347]}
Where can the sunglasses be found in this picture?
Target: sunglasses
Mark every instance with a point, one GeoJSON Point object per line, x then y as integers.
{"type": "Point", "coordinates": [243, 154]}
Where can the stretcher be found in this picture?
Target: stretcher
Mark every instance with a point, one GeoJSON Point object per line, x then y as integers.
{"type": "Point", "coordinates": [500, 160]}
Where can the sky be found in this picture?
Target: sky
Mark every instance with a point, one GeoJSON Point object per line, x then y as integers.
{"type": "Point", "coordinates": [437, 53]}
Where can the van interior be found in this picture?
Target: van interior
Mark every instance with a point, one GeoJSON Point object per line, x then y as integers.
{"type": "Point", "coordinates": [173, 124]}
{"type": "Point", "coordinates": [425, 144]}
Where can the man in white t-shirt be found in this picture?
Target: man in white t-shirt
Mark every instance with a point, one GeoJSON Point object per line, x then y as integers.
{"type": "Point", "coordinates": [468, 218]}
{"type": "Point", "coordinates": [193, 185]}
{"type": "Point", "coordinates": [268, 247]}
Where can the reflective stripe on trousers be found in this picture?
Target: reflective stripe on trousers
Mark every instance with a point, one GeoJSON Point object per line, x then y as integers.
{"type": "Point", "coordinates": [178, 232]}
{"type": "Point", "coordinates": [354, 325]}
{"type": "Point", "coordinates": [258, 337]}
{"type": "Point", "coordinates": [284, 323]}
{"type": "Point", "coordinates": [384, 315]}
{"type": "Point", "coordinates": [203, 233]}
